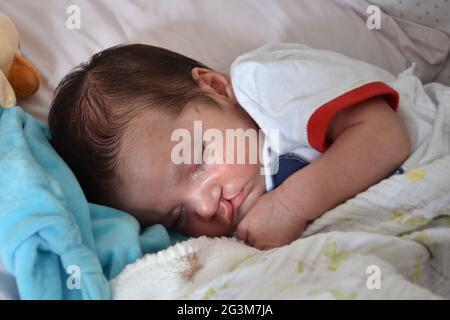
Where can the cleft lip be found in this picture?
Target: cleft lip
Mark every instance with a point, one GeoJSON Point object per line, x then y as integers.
{"type": "Point", "coordinates": [226, 211]}
{"type": "Point", "coordinates": [237, 201]}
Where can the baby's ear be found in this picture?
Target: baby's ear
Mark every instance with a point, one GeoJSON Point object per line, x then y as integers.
{"type": "Point", "coordinates": [213, 82]}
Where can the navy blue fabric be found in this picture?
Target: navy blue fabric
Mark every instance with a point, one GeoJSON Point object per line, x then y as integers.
{"type": "Point", "coordinates": [287, 165]}
{"type": "Point", "coordinates": [290, 163]}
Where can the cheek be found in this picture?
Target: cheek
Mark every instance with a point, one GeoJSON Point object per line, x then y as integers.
{"type": "Point", "coordinates": [224, 175]}
{"type": "Point", "coordinates": [228, 171]}
{"type": "Point", "coordinates": [210, 175]}
{"type": "Point", "coordinates": [206, 176]}
{"type": "Point", "coordinates": [238, 172]}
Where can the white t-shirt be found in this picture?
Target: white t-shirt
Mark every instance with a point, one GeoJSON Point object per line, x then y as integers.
{"type": "Point", "coordinates": [297, 90]}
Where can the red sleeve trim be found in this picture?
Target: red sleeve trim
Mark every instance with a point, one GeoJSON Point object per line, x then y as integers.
{"type": "Point", "coordinates": [321, 118]}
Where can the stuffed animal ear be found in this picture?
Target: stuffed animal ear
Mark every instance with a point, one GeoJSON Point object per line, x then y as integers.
{"type": "Point", "coordinates": [23, 77]}
{"type": "Point", "coordinates": [7, 96]}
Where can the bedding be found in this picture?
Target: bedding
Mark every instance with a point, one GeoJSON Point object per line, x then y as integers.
{"type": "Point", "coordinates": [431, 13]}
{"type": "Point", "coordinates": [8, 288]}
{"type": "Point", "coordinates": [55, 243]}
{"type": "Point", "coordinates": [390, 242]}
{"type": "Point", "coordinates": [434, 14]}
{"type": "Point", "coordinates": [214, 32]}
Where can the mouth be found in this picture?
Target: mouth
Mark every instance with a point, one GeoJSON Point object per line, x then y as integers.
{"type": "Point", "coordinates": [230, 213]}
{"type": "Point", "coordinates": [236, 202]}
{"type": "Point", "coordinates": [227, 213]}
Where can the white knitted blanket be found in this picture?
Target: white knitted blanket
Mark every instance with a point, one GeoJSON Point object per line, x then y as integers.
{"type": "Point", "coordinates": [389, 242]}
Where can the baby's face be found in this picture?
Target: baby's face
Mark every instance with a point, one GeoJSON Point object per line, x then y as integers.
{"type": "Point", "coordinates": [195, 199]}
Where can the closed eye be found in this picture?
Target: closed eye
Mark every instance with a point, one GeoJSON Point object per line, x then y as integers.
{"type": "Point", "coordinates": [203, 155]}
{"type": "Point", "coordinates": [178, 213]}
{"type": "Point", "coordinates": [192, 168]}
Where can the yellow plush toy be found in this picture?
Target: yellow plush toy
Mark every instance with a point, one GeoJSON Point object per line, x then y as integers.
{"type": "Point", "coordinates": [18, 78]}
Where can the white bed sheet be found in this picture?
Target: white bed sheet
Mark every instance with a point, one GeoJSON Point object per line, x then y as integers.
{"type": "Point", "coordinates": [214, 32]}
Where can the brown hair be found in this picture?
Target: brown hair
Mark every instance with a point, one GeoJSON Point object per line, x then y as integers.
{"type": "Point", "coordinates": [96, 101]}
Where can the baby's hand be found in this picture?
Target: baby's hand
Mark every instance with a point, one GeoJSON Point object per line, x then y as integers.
{"type": "Point", "coordinates": [270, 223]}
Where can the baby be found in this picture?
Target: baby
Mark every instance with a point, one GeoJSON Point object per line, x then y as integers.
{"type": "Point", "coordinates": [113, 121]}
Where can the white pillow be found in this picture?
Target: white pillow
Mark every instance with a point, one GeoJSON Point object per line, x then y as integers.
{"type": "Point", "coordinates": [432, 13]}
{"type": "Point", "coordinates": [214, 32]}
{"type": "Point", "coordinates": [414, 17]}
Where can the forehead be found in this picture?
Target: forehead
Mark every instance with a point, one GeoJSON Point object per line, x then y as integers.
{"type": "Point", "coordinates": [145, 167]}
{"type": "Point", "coordinates": [146, 171]}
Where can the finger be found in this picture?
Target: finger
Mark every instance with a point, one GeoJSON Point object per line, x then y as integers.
{"type": "Point", "coordinates": [261, 245]}
{"type": "Point", "coordinates": [250, 241]}
{"type": "Point", "coordinates": [266, 247]}
{"type": "Point", "coordinates": [242, 231]}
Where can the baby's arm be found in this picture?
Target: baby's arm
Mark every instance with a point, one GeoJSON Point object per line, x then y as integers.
{"type": "Point", "coordinates": [367, 142]}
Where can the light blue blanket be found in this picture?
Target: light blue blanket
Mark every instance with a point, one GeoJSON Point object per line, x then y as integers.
{"type": "Point", "coordinates": [57, 245]}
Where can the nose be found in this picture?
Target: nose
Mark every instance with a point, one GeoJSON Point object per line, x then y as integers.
{"type": "Point", "coordinates": [205, 201]}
